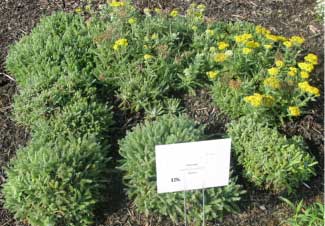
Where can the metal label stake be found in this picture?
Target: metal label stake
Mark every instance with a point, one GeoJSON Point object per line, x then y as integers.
{"type": "Point", "coordinates": [203, 205]}
{"type": "Point", "coordinates": [185, 220]}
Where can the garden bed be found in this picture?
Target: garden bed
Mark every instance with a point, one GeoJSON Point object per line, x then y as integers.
{"type": "Point", "coordinates": [258, 207]}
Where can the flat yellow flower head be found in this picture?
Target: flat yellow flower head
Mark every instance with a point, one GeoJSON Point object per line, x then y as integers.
{"type": "Point", "coordinates": [147, 57]}
{"type": "Point", "coordinates": [122, 42]}
{"type": "Point", "coordinates": [306, 66]}
{"type": "Point", "coordinates": [255, 100]}
{"type": "Point", "coordinates": [252, 44]}
{"type": "Point", "coordinates": [306, 87]}
{"type": "Point", "coordinates": [292, 71]}
{"type": "Point", "coordinates": [304, 74]}
{"type": "Point", "coordinates": [147, 11]}
{"type": "Point", "coordinates": [271, 37]}
{"type": "Point", "coordinates": [279, 63]}
{"type": "Point", "coordinates": [220, 57]}
{"type": "Point", "coordinates": [132, 21]}
{"type": "Point", "coordinates": [243, 38]}
{"type": "Point", "coordinates": [115, 3]}
{"type": "Point", "coordinates": [287, 44]}
{"type": "Point", "coordinates": [222, 45]}
{"type": "Point", "coordinates": [78, 10]}
{"type": "Point", "coordinates": [154, 36]}
{"type": "Point", "coordinates": [158, 10]}
{"type": "Point", "coordinates": [173, 13]}
{"type": "Point", "coordinates": [311, 58]}
{"type": "Point", "coordinates": [262, 30]}
{"type": "Point", "coordinates": [194, 28]}
{"type": "Point", "coordinates": [297, 40]}
{"type": "Point", "coordinates": [272, 82]}
{"type": "Point", "coordinates": [273, 71]}
{"type": "Point", "coordinates": [268, 46]}
{"type": "Point", "coordinates": [294, 111]}
{"type": "Point", "coordinates": [247, 51]}
{"type": "Point", "coordinates": [268, 100]}
{"type": "Point", "coordinates": [212, 74]}
{"type": "Point", "coordinates": [209, 32]}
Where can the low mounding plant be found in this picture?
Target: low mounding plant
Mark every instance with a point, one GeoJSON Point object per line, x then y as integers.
{"type": "Point", "coordinates": [311, 215]}
{"type": "Point", "coordinates": [137, 150]}
{"type": "Point", "coordinates": [270, 160]}
{"type": "Point", "coordinates": [56, 181]}
{"type": "Point", "coordinates": [81, 116]}
{"type": "Point", "coordinates": [50, 65]}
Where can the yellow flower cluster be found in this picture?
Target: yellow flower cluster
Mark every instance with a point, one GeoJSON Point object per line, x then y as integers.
{"type": "Point", "coordinates": [268, 46]}
{"type": "Point", "coordinates": [147, 56]}
{"type": "Point", "coordinates": [262, 30]}
{"type": "Point", "coordinates": [212, 74]}
{"type": "Point", "coordinates": [220, 57]}
{"type": "Point", "coordinates": [173, 13]}
{"type": "Point", "coordinates": [287, 44]}
{"type": "Point", "coordinates": [294, 111]}
{"type": "Point", "coordinates": [247, 51]}
{"type": "Point", "coordinates": [158, 10]}
{"type": "Point", "coordinates": [272, 37]}
{"type": "Point", "coordinates": [132, 21]}
{"type": "Point", "coordinates": [306, 66]}
{"type": "Point", "coordinates": [306, 87]}
{"type": "Point", "coordinates": [78, 10]}
{"type": "Point", "coordinates": [304, 74]}
{"type": "Point", "coordinates": [272, 82]}
{"type": "Point", "coordinates": [252, 44]}
{"type": "Point", "coordinates": [120, 43]}
{"type": "Point", "coordinates": [297, 40]}
{"type": "Point", "coordinates": [279, 63]}
{"type": "Point", "coordinates": [154, 36]}
{"type": "Point", "coordinates": [273, 71]}
{"type": "Point", "coordinates": [243, 38]}
{"type": "Point", "coordinates": [115, 3]}
{"type": "Point", "coordinates": [209, 32]}
{"type": "Point", "coordinates": [257, 100]}
{"type": "Point", "coordinates": [311, 58]}
{"type": "Point", "coordinates": [292, 71]}
{"type": "Point", "coordinates": [222, 45]}
{"type": "Point", "coordinates": [147, 11]}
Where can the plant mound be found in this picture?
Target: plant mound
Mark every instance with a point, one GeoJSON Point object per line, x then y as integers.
{"type": "Point", "coordinates": [270, 160]}
{"type": "Point", "coordinates": [138, 152]}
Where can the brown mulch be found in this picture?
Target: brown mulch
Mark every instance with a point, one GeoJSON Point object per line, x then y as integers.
{"type": "Point", "coordinates": [287, 17]}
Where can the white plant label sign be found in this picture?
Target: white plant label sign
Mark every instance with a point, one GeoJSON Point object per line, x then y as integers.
{"type": "Point", "coordinates": [193, 165]}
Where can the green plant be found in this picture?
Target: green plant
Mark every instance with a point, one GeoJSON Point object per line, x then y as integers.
{"type": "Point", "coordinates": [268, 78]}
{"type": "Point", "coordinates": [320, 9]}
{"type": "Point", "coordinates": [56, 181]}
{"type": "Point", "coordinates": [50, 65]}
{"type": "Point", "coordinates": [311, 215]}
{"type": "Point", "coordinates": [270, 160]}
{"type": "Point", "coordinates": [138, 163]}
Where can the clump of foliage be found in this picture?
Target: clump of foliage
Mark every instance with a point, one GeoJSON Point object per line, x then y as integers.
{"type": "Point", "coordinates": [270, 160]}
{"type": "Point", "coordinates": [50, 65]}
{"type": "Point", "coordinates": [138, 152]}
{"type": "Point", "coordinates": [320, 9]}
{"type": "Point", "coordinates": [58, 177]}
{"type": "Point", "coordinates": [309, 215]}
{"type": "Point", "coordinates": [258, 73]}
{"type": "Point", "coordinates": [56, 181]}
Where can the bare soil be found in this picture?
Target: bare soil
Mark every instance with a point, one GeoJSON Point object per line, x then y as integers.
{"type": "Point", "coordinates": [287, 17]}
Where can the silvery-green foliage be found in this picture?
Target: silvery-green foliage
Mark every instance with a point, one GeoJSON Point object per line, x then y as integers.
{"type": "Point", "coordinates": [50, 65]}
{"type": "Point", "coordinates": [138, 163]}
{"type": "Point", "coordinates": [270, 160]}
{"type": "Point", "coordinates": [320, 8]}
{"type": "Point", "coordinates": [56, 181]}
